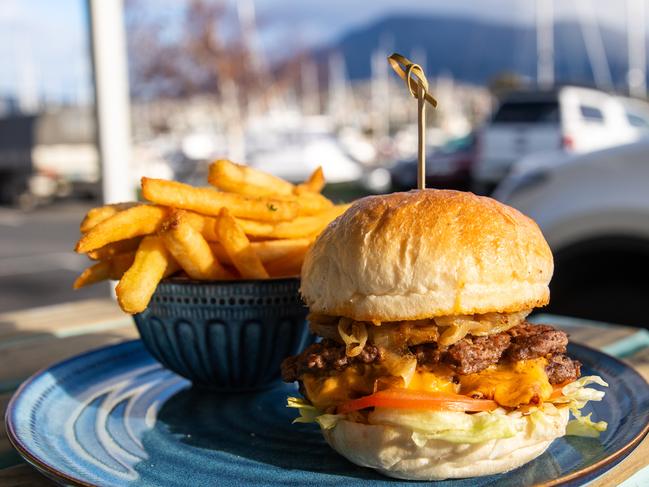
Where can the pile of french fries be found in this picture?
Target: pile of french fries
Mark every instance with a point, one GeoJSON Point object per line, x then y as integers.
{"type": "Point", "coordinates": [248, 225]}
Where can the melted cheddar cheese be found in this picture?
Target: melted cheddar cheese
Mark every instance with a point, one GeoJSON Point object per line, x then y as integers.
{"type": "Point", "coordinates": [438, 380]}
{"type": "Point", "coordinates": [326, 392]}
{"type": "Point", "coordinates": [509, 385]}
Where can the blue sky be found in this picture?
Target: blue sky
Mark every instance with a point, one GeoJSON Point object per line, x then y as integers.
{"type": "Point", "coordinates": [44, 45]}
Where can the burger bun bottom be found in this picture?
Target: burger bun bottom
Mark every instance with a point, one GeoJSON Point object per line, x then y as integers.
{"type": "Point", "coordinates": [391, 451]}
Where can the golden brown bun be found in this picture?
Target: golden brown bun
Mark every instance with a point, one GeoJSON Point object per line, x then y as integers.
{"type": "Point", "coordinates": [392, 451]}
{"type": "Point", "coordinates": [427, 253]}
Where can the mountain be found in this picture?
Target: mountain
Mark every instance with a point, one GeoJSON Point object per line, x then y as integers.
{"type": "Point", "coordinates": [476, 51]}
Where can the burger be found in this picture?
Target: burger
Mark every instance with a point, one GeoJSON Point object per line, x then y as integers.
{"type": "Point", "coordinates": [427, 368]}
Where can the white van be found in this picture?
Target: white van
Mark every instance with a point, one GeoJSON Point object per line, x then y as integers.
{"type": "Point", "coordinates": [569, 118]}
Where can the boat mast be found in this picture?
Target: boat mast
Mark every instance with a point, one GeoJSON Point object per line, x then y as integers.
{"type": "Point", "coordinates": [594, 44]}
{"type": "Point", "coordinates": [637, 73]}
{"type": "Point", "coordinates": [545, 43]}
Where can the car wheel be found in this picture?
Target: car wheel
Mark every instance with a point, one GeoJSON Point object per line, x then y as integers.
{"type": "Point", "coordinates": [604, 280]}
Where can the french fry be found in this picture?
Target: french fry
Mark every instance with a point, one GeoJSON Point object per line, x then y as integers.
{"type": "Point", "coordinates": [112, 268]}
{"type": "Point", "coordinates": [312, 203]}
{"type": "Point", "coordinates": [116, 248]}
{"type": "Point", "coordinates": [101, 213]}
{"type": "Point", "coordinates": [120, 263]}
{"type": "Point", "coordinates": [250, 224]}
{"type": "Point", "coordinates": [190, 249]}
{"type": "Point", "coordinates": [93, 274]}
{"type": "Point", "coordinates": [274, 249]}
{"type": "Point", "coordinates": [238, 248]}
{"type": "Point", "coordinates": [288, 265]}
{"type": "Point", "coordinates": [314, 184]}
{"type": "Point", "coordinates": [210, 201]}
{"type": "Point", "coordinates": [303, 226]}
{"type": "Point", "coordinates": [152, 263]}
{"type": "Point", "coordinates": [266, 250]}
{"type": "Point", "coordinates": [133, 222]}
{"type": "Point", "coordinates": [237, 178]}
{"type": "Point", "coordinates": [220, 253]}
{"type": "Point", "coordinates": [205, 225]}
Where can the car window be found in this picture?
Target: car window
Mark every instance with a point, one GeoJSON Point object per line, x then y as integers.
{"type": "Point", "coordinates": [637, 120]}
{"type": "Point", "coordinates": [457, 144]}
{"type": "Point", "coordinates": [528, 112]}
{"type": "Point", "coordinates": [591, 114]}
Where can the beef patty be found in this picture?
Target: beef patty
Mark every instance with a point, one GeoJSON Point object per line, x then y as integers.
{"type": "Point", "coordinates": [562, 368]}
{"type": "Point", "coordinates": [468, 356]}
{"type": "Point", "coordinates": [324, 357]}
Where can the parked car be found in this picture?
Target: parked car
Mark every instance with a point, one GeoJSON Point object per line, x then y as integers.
{"type": "Point", "coordinates": [569, 118]}
{"type": "Point", "coordinates": [636, 112]}
{"type": "Point", "coordinates": [448, 166]}
{"type": "Point", "coordinates": [16, 162]}
{"type": "Point", "coordinates": [594, 211]}
{"type": "Point", "coordinates": [48, 155]}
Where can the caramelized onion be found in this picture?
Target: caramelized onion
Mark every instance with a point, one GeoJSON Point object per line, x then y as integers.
{"type": "Point", "coordinates": [354, 335]}
{"type": "Point", "coordinates": [457, 327]}
{"type": "Point", "coordinates": [398, 365]}
{"type": "Point", "coordinates": [395, 356]}
{"type": "Point", "coordinates": [418, 332]}
{"type": "Point", "coordinates": [398, 336]}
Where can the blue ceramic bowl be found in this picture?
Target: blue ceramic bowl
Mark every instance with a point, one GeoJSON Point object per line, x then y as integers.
{"type": "Point", "coordinates": [227, 335]}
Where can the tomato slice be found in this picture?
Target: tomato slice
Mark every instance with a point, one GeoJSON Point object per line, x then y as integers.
{"type": "Point", "coordinates": [557, 392]}
{"type": "Point", "coordinates": [408, 399]}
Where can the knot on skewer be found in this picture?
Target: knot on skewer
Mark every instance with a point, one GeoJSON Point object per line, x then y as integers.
{"type": "Point", "coordinates": [413, 75]}
{"type": "Point", "coordinates": [417, 85]}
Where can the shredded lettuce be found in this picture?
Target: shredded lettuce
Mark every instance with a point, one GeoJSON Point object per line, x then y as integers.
{"type": "Point", "coordinates": [311, 414]}
{"type": "Point", "coordinates": [540, 420]}
{"type": "Point", "coordinates": [575, 395]}
{"type": "Point", "coordinates": [453, 426]}
{"type": "Point", "coordinates": [459, 427]}
{"type": "Point", "coordinates": [584, 426]}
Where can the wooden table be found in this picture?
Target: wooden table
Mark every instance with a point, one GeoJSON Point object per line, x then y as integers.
{"type": "Point", "coordinates": [33, 339]}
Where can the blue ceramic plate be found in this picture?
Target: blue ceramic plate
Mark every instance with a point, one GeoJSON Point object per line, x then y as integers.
{"type": "Point", "coordinates": [115, 417]}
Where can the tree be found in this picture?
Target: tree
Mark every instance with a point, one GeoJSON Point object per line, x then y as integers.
{"type": "Point", "coordinates": [196, 51]}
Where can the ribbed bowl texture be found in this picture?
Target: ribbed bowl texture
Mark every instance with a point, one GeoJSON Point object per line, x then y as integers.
{"type": "Point", "coordinates": [229, 335]}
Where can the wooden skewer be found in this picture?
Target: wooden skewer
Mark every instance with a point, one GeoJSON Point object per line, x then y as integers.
{"type": "Point", "coordinates": [417, 84]}
{"type": "Point", "coordinates": [421, 138]}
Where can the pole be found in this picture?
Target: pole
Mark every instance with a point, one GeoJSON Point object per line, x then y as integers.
{"type": "Point", "coordinates": [110, 75]}
{"type": "Point", "coordinates": [545, 43]}
{"type": "Point", "coordinates": [637, 73]}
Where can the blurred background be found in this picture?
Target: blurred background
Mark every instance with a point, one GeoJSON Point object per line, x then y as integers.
{"type": "Point", "coordinates": [542, 104]}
